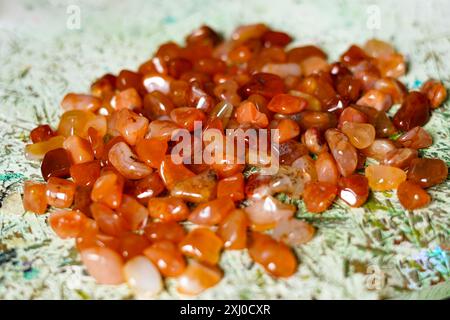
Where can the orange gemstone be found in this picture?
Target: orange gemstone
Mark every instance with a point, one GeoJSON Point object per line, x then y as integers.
{"type": "Point", "coordinates": [172, 173]}
{"type": "Point", "coordinates": [354, 190]}
{"type": "Point", "coordinates": [202, 244]}
{"type": "Point", "coordinates": [107, 220]}
{"type": "Point", "coordinates": [60, 192]}
{"type": "Point", "coordinates": [286, 104]}
{"type": "Point", "coordinates": [151, 151]}
{"type": "Point", "coordinates": [34, 198]}
{"type": "Point", "coordinates": [150, 186]}
{"type": "Point", "coordinates": [427, 172]}
{"type": "Point", "coordinates": [412, 196]}
{"type": "Point", "coordinates": [67, 224]}
{"type": "Point", "coordinates": [361, 135]}
{"type": "Point", "coordinates": [276, 257]}
{"type": "Point", "coordinates": [382, 178]}
{"type": "Point", "coordinates": [56, 163]}
{"type": "Point", "coordinates": [232, 187]}
{"type": "Point", "coordinates": [132, 245]}
{"type": "Point", "coordinates": [199, 188]}
{"type": "Point", "coordinates": [124, 160]}
{"type": "Point", "coordinates": [85, 174]}
{"type": "Point", "coordinates": [212, 212]}
{"type": "Point", "coordinates": [265, 84]}
{"type": "Point", "coordinates": [416, 138]}
{"type": "Point", "coordinates": [73, 101]}
{"type": "Point", "coordinates": [435, 92]}
{"type": "Point", "coordinates": [233, 230]}
{"type": "Point", "coordinates": [167, 257]}
{"type": "Point", "coordinates": [159, 231]}
{"type": "Point", "coordinates": [103, 264]}
{"type": "Point", "coordinates": [326, 168]}
{"type": "Point", "coordinates": [41, 133]}
{"type": "Point", "coordinates": [318, 196]}
{"type": "Point", "coordinates": [37, 151]}
{"type": "Point", "coordinates": [108, 189]}
{"type": "Point", "coordinates": [131, 126]}
{"type": "Point", "coordinates": [198, 277]}
{"type": "Point", "coordinates": [247, 113]}
{"type": "Point", "coordinates": [157, 105]}
{"type": "Point", "coordinates": [168, 209]}
{"type": "Point", "coordinates": [128, 99]}
{"type": "Point", "coordinates": [186, 117]}
{"type": "Point", "coordinates": [78, 149]}
{"type": "Point", "coordinates": [134, 213]}
{"type": "Point", "coordinates": [343, 151]}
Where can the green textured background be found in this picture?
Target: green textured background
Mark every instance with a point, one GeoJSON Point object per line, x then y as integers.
{"type": "Point", "coordinates": [41, 59]}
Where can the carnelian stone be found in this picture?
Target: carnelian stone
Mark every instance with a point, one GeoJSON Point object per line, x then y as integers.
{"type": "Point", "coordinates": [128, 99]}
{"type": "Point", "coordinates": [151, 151]}
{"type": "Point", "coordinates": [132, 245]}
{"type": "Point", "coordinates": [232, 187]}
{"type": "Point", "coordinates": [73, 101]}
{"type": "Point", "coordinates": [108, 189]}
{"type": "Point", "coordinates": [326, 168]}
{"type": "Point", "coordinates": [107, 220]}
{"type": "Point", "coordinates": [96, 141]}
{"type": "Point", "coordinates": [129, 79]}
{"type": "Point", "coordinates": [85, 174]}
{"type": "Point", "coordinates": [131, 126]}
{"type": "Point", "coordinates": [287, 129]}
{"type": "Point", "coordinates": [82, 200]}
{"type": "Point", "coordinates": [199, 188]}
{"type": "Point", "coordinates": [412, 196]}
{"type": "Point", "coordinates": [361, 135]}
{"type": "Point", "coordinates": [160, 231]}
{"type": "Point", "coordinates": [290, 151]}
{"type": "Point", "coordinates": [186, 117]}
{"type": "Point", "coordinates": [168, 209]}
{"type": "Point", "coordinates": [37, 151]}
{"type": "Point", "coordinates": [287, 104]}
{"type": "Point", "coordinates": [202, 244]}
{"type": "Point", "coordinates": [212, 212]}
{"type": "Point", "coordinates": [67, 224]}
{"type": "Point", "coordinates": [60, 192]}
{"type": "Point", "coordinates": [276, 257]}
{"type": "Point", "coordinates": [343, 151]}
{"type": "Point", "coordinates": [416, 138]}
{"type": "Point", "coordinates": [382, 178]}
{"type": "Point", "coordinates": [172, 173]}
{"type": "Point", "coordinates": [78, 149]}
{"type": "Point", "coordinates": [247, 113]}
{"type": "Point", "coordinates": [318, 196]}
{"type": "Point", "coordinates": [41, 133]}
{"type": "Point", "coordinates": [299, 54]}
{"type": "Point", "coordinates": [352, 115]}
{"type": "Point", "coordinates": [56, 163]}
{"type": "Point", "coordinates": [354, 190]}
{"type": "Point", "coordinates": [265, 84]}
{"type": "Point", "coordinates": [435, 92]}
{"type": "Point", "coordinates": [34, 198]}
{"type": "Point", "coordinates": [198, 277]}
{"type": "Point", "coordinates": [103, 264]}
{"type": "Point", "coordinates": [134, 213]}
{"type": "Point", "coordinates": [167, 257]}
{"type": "Point", "coordinates": [427, 172]}
{"type": "Point", "coordinates": [233, 230]}
{"type": "Point", "coordinates": [104, 86]}
{"type": "Point", "coordinates": [148, 187]}
{"type": "Point", "coordinates": [400, 158]}
{"type": "Point", "coordinates": [157, 105]}
{"type": "Point", "coordinates": [415, 111]}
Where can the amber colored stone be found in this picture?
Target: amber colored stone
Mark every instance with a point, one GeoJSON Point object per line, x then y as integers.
{"type": "Point", "coordinates": [416, 138]}
{"type": "Point", "coordinates": [298, 54]}
{"type": "Point", "coordinates": [134, 213]}
{"type": "Point", "coordinates": [318, 196]}
{"type": "Point", "coordinates": [400, 158]}
{"type": "Point", "coordinates": [167, 257]}
{"type": "Point", "coordinates": [178, 66]}
{"type": "Point", "coordinates": [353, 56]}
{"type": "Point", "coordinates": [160, 231]}
{"type": "Point", "coordinates": [379, 149]}
{"type": "Point", "coordinates": [60, 192]}
{"type": "Point", "coordinates": [67, 224]}
{"type": "Point", "coordinates": [97, 260]}
{"type": "Point", "coordinates": [132, 245]}
{"type": "Point", "coordinates": [37, 151]}
{"type": "Point", "coordinates": [290, 151]}
{"type": "Point", "coordinates": [79, 149]}
{"type": "Point", "coordinates": [168, 209]}
{"type": "Point", "coordinates": [212, 212]}
{"type": "Point", "coordinates": [108, 220]}
{"type": "Point", "coordinates": [376, 99]}
{"type": "Point", "coordinates": [286, 104]}
{"type": "Point", "coordinates": [108, 189]}
{"type": "Point", "coordinates": [34, 198]}
{"type": "Point", "coordinates": [415, 111]}
{"type": "Point", "coordinates": [361, 135]}
{"type": "Point", "coordinates": [247, 113]}
{"type": "Point", "coordinates": [313, 140]}
{"type": "Point", "coordinates": [382, 123]}
{"type": "Point", "coordinates": [412, 196]}
{"type": "Point", "coordinates": [91, 236]}
{"type": "Point", "coordinates": [96, 141]}
{"type": "Point", "coordinates": [316, 119]}
{"type": "Point", "coordinates": [85, 174]}
{"type": "Point", "coordinates": [382, 178]}
{"type": "Point", "coordinates": [349, 87]}
{"type": "Point", "coordinates": [104, 86]}
{"type": "Point", "coordinates": [427, 172]}
{"type": "Point", "coordinates": [157, 105]}
{"type": "Point", "coordinates": [150, 186]}
{"type": "Point", "coordinates": [199, 188]}
{"type": "Point", "coordinates": [435, 92]}
{"type": "Point", "coordinates": [343, 151]}
{"type": "Point", "coordinates": [197, 278]}
{"type": "Point", "coordinates": [129, 79]}
{"type": "Point", "coordinates": [41, 133]}
{"type": "Point", "coordinates": [123, 159]}
{"type": "Point", "coordinates": [162, 129]}
{"type": "Point", "coordinates": [73, 101]}
{"type": "Point", "coordinates": [127, 99]}
{"type": "Point", "coordinates": [202, 244]}
{"type": "Point", "coordinates": [265, 84]}
{"type": "Point", "coordinates": [131, 126]}
{"type": "Point", "coordinates": [151, 151]}
{"type": "Point", "coordinates": [326, 168]}
{"type": "Point", "coordinates": [157, 82]}
{"type": "Point", "coordinates": [275, 38]}
{"type": "Point", "coordinates": [56, 163]}
{"type": "Point", "coordinates": [172, 173]}
{"type": "Point", "coordinates": [393, 87]}
{"type": "Point", "coordinates": [293, 232]}
{"type": "Point", "coordinates": [352, 115]}
{"type": "Point", "coordinates": [82, 200]}
{"type": "Point", "coordinates": [287, 129]}
{"type": "Point", "coordinates": [107, 147]}
{"type": "Point", "coordinates": [232, 187]}
{"type": "Point", "coordinates": [276, 257]}
{"type": "Point", "coordinates": [186, 117]}
{"type": "Point", "coordinates": [233, 230]}
{"type": "Point", "coordinates": [354, 190]}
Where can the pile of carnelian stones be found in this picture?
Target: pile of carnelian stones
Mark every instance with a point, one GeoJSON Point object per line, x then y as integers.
{"type": "Point", "coordinates": [138, 217]}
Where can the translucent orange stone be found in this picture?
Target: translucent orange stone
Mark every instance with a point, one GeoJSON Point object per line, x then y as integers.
{"type": "Point", "coordinates": [172, 173]}
{"type": "Point", "coordinates": [151, 151]}
{"type": "Point", "coordinates": [316, 119]}
{"type": "Point", "coordinates": [167, 257]}
{"type": "Point", "coordinates": [351, 114]}
{"type": "Point", "coordinates": [379, 149]}
{"type": "Point", "coordinates": [290, 151]}
{"type": "Point", "coordinates": [157, 82]}
{"type": "Point", "coordinates": [160, 231]}
{"type": "Point", "coordinates": [41, 133]}
{"type": "Point", "coordinates": [150, 186]}
{"type": "Point", "coordinates": [414, 111]}
{"type": "Point", "coordinates": [78, 149]}
{"type": "Point", "coordinates": [412, 196]}
{"type": "Point", "coordinates": [34, 198]}
{"type": "Point", "coordinates": [400, 158]}
{"type": "Point", "coordinates": [162, 129]}
{"type": "Point", "coordinates": [382, 178]}
{"type": "Point", "coordinates": [157, 105]}
{"type": "Point", "coordinates": [361, 135]}
{"type": "Point", "coordinates": [293, 231]}
{"type": "Point", "coordinates": [435, 92]}
{"type": "Point", "coordinates": [73, 101]}
{"type": "Point", "coordinates": [286, 104]}
{"type": "Point", "coordinates": [67, 224]}
{"type": "Point", "coordinates": [197, 278]}
{"type": "Point", "coordinates": [132, 245]}
{"type": "Point", "coordinates": [74, 122]}
{"type": "Point", "coordinates": [96, 140]}
{"type": "Point", "coordinates": [85, 174]}
{"type": "Point", "coordinates": [127, 99]}
{"type": "Point", "coordinates": [186, 117]}
{"type": "Point", "coordinates": [298, 54]}
{"type": "Point", "coordinates": [427, 172]}
{"type": "Point", "coordinates": [354, 190]}
{"type": "Point", "coordinates": [199, 188]}
{"type": "Point", "coordinates": [318, 196]}
{"type": "Point", "coordinates": [37, 151]}
{"type": "Point", "coordinates": [265, 84]}
{"type": "Point", "coordinates": [232, 187]}
{"type": "Point", "coordinates": [125, 161]}
{"type": "Point", "coordinates": [103, 264]}
{"type": "Point", "coordinates": [56, 163]}
{"type": "Point", "coordinates": [60, 192]}
{"type": "Point", "coordinates": [376, 99]}
{"type": "Point", "coordinates": [212, 212]}
{"type": "Point", "coordinates": [202, 244]}
{"type": "Point", "coordinates": [353, 56]}
{"type": "Point", "coordinates": [343, 151]}
{"type": "Point", "coordinates": [108, 189]}
{"type": "Point", "coordinates": [108, 221]}
{"type": "Point", "coordinates": [168, 209]}
{"type": "Point", "coordinates": [129, 79]}
{"type": "Point", "coordinates": [287, 129]}
{"type": "Point", "coordinates": [247, 113]}
{"type": "Point", "coordinates": [416, 138]}
{"type": "Point", "coordinates": [131, 126]}
{"type": "Point", "coordinates": [233, 230]}
{"type": "Point", "coordinates": [134, 213]}
{"type": "Point", "coordinates": [82, 200]}
{"type": "Point", "coordinates": [104, 86]}
{"type": "Point", "coordinates": [276, 257]}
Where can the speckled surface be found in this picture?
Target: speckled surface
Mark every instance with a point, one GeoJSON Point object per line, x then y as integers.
{"type": "Point", "coordinates": [41, 60]}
